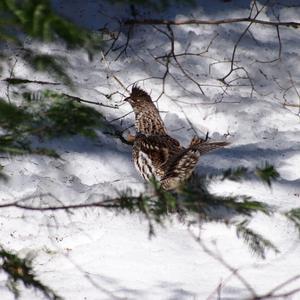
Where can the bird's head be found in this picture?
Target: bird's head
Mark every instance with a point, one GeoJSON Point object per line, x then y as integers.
{"type": "Point", "coordinates": [138, 98]}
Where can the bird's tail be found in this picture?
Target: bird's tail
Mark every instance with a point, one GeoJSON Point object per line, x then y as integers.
{"type": "Point", "coordinates": [204, 146]}
{"type": "Point", "coordinates": [183, 164]}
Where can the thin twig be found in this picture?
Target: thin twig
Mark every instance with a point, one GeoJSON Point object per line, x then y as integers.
{"type": "Point", "coordinates": [14, 80]}
{"type": "Point", "coordinates": [11, 73]}
{"type": "Point", "coordinates": [295, 88]}
{"type": "Point", "coordinates": [237, 43]}
{"type": "Point", "coordinates": [74, 98]}
{"type": "Point", "coordinates": [279, 49]}
{"type": "Point", "coordinates": [113, 75]}
{"type": "Point", "coordinates": [221, 260]}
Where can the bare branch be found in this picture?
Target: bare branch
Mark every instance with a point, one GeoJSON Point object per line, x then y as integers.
{"type": "Point", "coordinates": [128, 37]}
{"type": "Point", "coordinates": [15, 80]}
{"type": "Point", "coordinates": [272, 293]}
{"type": "Point", "coordinates": [11, 73]}
{"type": "Point", "coordinates": [208, 22]}
{"type": "Point", "coordinates": [295, 88]}
{"type": "Point", "coordinates": [237, 43]}
{"type": "Point", "coordinates": [279, 49]}
{"type": "Point", "coordinates": [112, 203]}
{"type": "Point", "coordinates": [224, 263]}
{"type": "Point", "coordinates": [74, 98]}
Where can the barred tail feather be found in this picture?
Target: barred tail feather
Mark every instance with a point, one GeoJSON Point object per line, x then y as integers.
{"type": "Point", "coordinates": [207, 147]}
{"type": "Point", "coordinates": [204, 146]}
{"type": "Point", "coordinates": [181, 167]}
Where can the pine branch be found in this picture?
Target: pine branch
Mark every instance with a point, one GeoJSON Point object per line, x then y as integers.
{"type": "Point", "coordinates": [20, 270]}
{"type": "Point", "coordinates": [158, 205]}
{"type": "Point", "coordinates": [35, 18]}
{"type": "Point", "coordinates": [294, 216]}
{"type": "Point", "coordinates": [267, 173]}
{"type": "Point", "coordinates": [198, 198]}
{"type": "Point", "coordinates": [256, 242]}
{"type": "Point", "coordinates": [236, 174]}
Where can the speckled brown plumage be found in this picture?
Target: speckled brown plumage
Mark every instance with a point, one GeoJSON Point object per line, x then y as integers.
{"type": "Point", "coordinates": [147, 118]}
{"type": "Point", "coordinates": [162, 157]}
{"type": "Point", "coordinates": [151, 154]}
{"type": "Point", "coordinates": [155, 153]}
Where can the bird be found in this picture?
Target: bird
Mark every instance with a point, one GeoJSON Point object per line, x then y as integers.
{"type": "Point", "coordinates": [147, 118]}
{"type": "Point", "coordinates": [155, 153]}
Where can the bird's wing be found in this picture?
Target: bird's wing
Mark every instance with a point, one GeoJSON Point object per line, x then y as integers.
{"type": "Point", "coordinates": [181, 166]}
{"type": "Point", "coordinates": [148, 119]}
{"type": "Point", "coordinates": [150, 122]}
{"type": "Point", "coordinates": [157, 149]}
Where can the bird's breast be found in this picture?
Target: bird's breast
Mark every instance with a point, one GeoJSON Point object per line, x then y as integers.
{"type": "Point", "coordinates": [149, 123]}
{"type": "Point", "coordinates": [144, 165]}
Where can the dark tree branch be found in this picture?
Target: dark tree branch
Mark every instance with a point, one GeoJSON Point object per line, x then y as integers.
{"type": "Point", "coordinates": [208, 22]}
{"type": "Point", "coordinates": [11, 73]}
{"type": "Point", "coordinates": [112, 203]}
{"type": "Point", "coordinates": [128, 37]}
{"type": "Point", "coordinates": [74, 98]}
{"type": "Point", "coordinates": [15, 80]}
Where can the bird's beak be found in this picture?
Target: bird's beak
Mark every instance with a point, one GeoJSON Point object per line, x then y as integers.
{"type": "Point", "coordinates": [126, 99]}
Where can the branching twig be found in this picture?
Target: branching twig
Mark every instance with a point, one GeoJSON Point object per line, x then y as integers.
{"type": "Point", "coordinates": [295, 88]}
{"type": "Point", "coordinates": [272, 294]}
{"type": "Point", "coordinates": [279, 49]}
{"type": "Point", "coordinates": [225, 264]}
{"type": "Point", "coordinates": [11, 73]}
{"type": "Point", "coordinates": [124, 50]}
{"type": "Point", "coordinates": [172, 54]}
{"type": "Point", "coordinates": [238, 41]}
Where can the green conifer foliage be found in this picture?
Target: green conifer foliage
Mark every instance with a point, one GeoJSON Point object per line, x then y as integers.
{"type": "Point", "coordinates": [36, 19]}
{"type": "Point", "coordinates": [194, 203]}
{"type": "Point", "coordinates": [19, 270]}
{"type": "Point", "coordinates": [51, 115]}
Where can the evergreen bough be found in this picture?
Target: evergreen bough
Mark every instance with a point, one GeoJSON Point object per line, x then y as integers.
{"type": "Point", "coordinates": [19, 270]}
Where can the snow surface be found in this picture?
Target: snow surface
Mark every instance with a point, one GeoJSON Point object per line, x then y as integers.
{"type": "Point", "coordinates": [97, 254]}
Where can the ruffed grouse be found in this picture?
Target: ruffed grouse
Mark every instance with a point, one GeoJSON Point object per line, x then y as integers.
{"type": "Point", "coordinates": [155, 153]}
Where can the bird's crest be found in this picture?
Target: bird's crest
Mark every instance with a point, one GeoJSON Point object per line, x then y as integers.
{"type": "Point", "coordinates": [138, 93]}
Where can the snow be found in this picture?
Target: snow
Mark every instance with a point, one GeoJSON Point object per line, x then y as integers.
{"type": "Point", "coordinates": [97, 254]}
